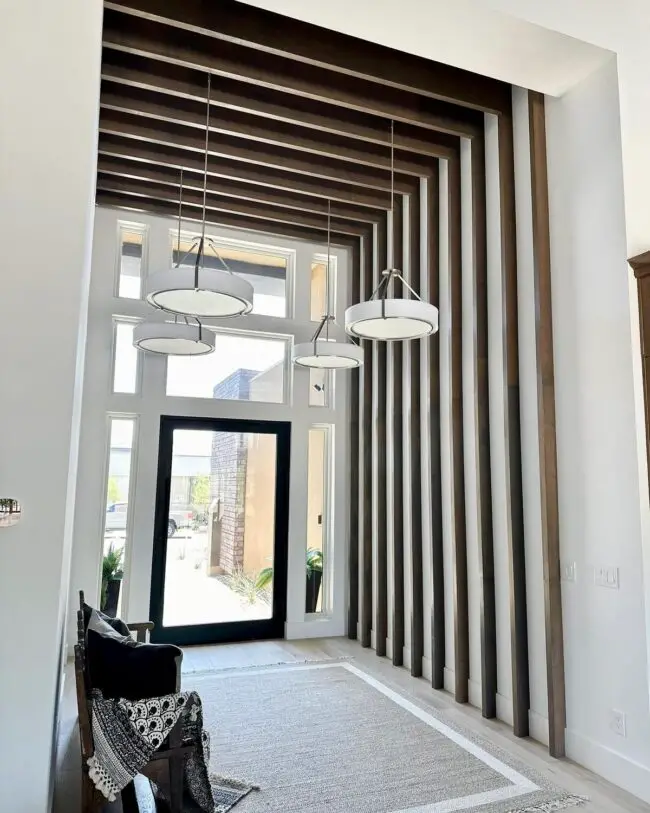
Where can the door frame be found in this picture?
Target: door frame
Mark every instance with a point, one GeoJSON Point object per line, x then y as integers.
{"type": "Point", "coordinates": [231, 631]}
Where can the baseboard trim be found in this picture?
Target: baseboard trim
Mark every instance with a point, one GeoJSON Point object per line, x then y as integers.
{"type": "Point", "coordinates": [538, 726]}
{"type": "Point", "coordinates": [504, 709]}
{"type": "Point", "coordinates": [449, 680]}
{"type": "Point", "coordinates": [616, 768]}
{"type": "Point", "coordinates": [426, 668]}
{"type": "Point", "coordinates": [314, 628]}
{"type": "Point", "coordinates": [475, 696]}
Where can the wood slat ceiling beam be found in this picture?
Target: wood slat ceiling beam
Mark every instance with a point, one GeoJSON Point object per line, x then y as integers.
{"type": "Point", "coordinates": [188, 113]}
{"type": "Point", "coordinates": [185, 83]}
{"type": "Point", "coordinates": [136, 170]}
{"type": "Point", "coordinates": [193, 201]}
{"type": "Point", "coordinates": [116, 200]}
{"type": "Point", "coordinates": [166, 134]}
{"type": "Point", "coordinates": [175, 46]}
{"type": "Point", "coordinates": [168, 157]}
{"type": "Point", "coordinates": [274, 34]}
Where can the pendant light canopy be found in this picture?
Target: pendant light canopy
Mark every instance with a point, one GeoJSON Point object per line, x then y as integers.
{"type": "Point", "coordinates": [384, 318]}
{"type": "Point", "coordinates": [200, 291]}
{"type": "Point", "coordinates": [173, 338]}
{"type": "Point", "coordinates": [320, 352]}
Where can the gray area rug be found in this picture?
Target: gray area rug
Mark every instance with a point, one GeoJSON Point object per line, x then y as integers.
{"type": "Point", "coordinates": [329, 737]}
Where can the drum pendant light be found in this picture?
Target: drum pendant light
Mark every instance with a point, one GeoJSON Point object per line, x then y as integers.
{"type": "Point", "coordinates": [201, 291]}
{"type": "Point", "coordinates": [388, 319]}
{"type": "Point", "coordinates": [184, 338]}
{"type": "Point", "coordinates": [174, 338]}
{"type": "Point", "coordinates": [320, 352]}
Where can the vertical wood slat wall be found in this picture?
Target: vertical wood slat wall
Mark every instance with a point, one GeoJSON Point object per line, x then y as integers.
{"type": "Point", "coordinates": [413, 243]}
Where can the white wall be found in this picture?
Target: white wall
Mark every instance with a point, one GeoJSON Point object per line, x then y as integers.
{"type": "Point", "coordinates": [49, 61]}
{"type": "Point", "coordinates": [150, 402]}
{"type": "Point", "coordinates": [598, 475]}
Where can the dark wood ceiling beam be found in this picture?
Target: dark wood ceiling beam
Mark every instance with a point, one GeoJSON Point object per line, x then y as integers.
{"type": "Point", "coordinates": [234, 124]}
{"type": "Point", "coordinates": [134, 204]}
{"type": "Point", "coordinates": [185, 83]}
{"type": "Point", "coordinates": [167, 156]}
{"type": "Point", "coordinates": [177, 47]}
{"type": "Point", "coordinates": [193, 181]}
{"type": "Point", "coordinates": [163, 133]}
{"type": "Point", "coordinates": [275, 34]}
{"type": "Point", "coordinates": [193, 201]}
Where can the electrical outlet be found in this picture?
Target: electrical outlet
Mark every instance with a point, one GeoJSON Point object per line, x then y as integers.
{"type": "Point", "coordinates": [568, 571]}
{"type": "Point", "coordinates": [617, 723]}
{"type": "Point", "coordinates": [605, 576]}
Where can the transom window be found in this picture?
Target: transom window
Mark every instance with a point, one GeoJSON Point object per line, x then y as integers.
{"type": "Point", "coordinates": [267, 271]}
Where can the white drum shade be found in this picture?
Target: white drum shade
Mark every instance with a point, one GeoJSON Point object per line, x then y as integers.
{"type": "Point", "coordinates": [328, 355]}
{"type": "Point", "coordinates": [173, 338]}
{"type": "Point", "coordinates": [219, 292]}
{"type": "Point", "coordinates": [391, 320]}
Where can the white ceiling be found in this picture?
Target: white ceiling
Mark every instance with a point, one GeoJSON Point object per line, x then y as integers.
{"type": "Point", "coordinates": [545, 45]}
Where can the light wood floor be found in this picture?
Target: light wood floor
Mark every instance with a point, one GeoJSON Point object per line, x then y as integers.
{"type": "Point", "coordinates": [605, 798]}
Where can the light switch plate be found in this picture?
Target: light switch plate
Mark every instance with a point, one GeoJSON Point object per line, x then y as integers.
{"type": "Point", "coordinates": [606, 576]}
{"type": "Point", "coordinates": [568, 571]}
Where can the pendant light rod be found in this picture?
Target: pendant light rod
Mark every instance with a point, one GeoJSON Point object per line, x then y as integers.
{"type": "Point", "coordinates": [327, 268]}
{"type": "Point", "coordinates": [201, 252]}
{"type": "Point", "coordinates": [392, 166]}
{"type": "Point", "coordinates": [180, 217]}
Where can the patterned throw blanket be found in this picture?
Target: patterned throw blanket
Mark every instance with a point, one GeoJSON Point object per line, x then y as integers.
{"type": "Point", "coordinates": [128, 733]}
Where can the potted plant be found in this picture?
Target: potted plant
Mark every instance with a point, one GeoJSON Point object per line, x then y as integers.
{"type": "Point", "coordinates": [314, 561]}
{"type": "Point", "coordinates": [314, 578]}
{"type": "Point", "coordinates": [112, 574]}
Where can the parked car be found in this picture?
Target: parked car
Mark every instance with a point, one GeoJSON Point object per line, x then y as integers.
{"type": "Point", "coordinates": [116, 513]}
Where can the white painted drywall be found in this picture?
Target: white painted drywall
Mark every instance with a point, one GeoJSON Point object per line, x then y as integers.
{"type": "Point", "coordinates": [598, 475]}
{"type": "Point", "coordinates": [49, 96]}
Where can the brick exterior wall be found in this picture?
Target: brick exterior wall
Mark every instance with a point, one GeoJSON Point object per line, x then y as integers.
{"type": "Point", "coordinates": [228, 475]}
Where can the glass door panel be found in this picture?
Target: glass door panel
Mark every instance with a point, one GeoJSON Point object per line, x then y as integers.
{"type": "Point", "coordinates": [219, 565]}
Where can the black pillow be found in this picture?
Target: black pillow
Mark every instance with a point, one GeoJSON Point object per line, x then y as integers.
{"type": "Point", "coordinates": [116, 623]}
{"type": "Point", "coordinates": [120, 667]}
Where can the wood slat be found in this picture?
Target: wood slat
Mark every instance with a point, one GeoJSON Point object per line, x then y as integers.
{"type": "Point", "coordinates": [193, 181]}
{"type": "Point", "coordinates": [153, 40]}
{"type": "Point", "coordinates": [188, 138]}
{"type": "Point", "coordinates": [432, 201]}
{"type": "Point", "coordinates": [116, 200]}
{"type": "Point", "coordinates": [241, 124]}
{"type": "Point", "coordinates": [381, 608]}
{"type": "Point", "coordinates": [483, 473]}
{"type": "Point", "coordinates": [394, 396]}
{"type": "Point", "coordinates": [193, 201]}
{"type": "Point", "coordinates": [367, 373]}
{"type": "Point", "coordinates": [413, 500]}
{"type": "Point", "coordinates": [185, 83]}
{"type": "Point", "coordinates": [461, 609]}
{"type": "Point", "coordinates": [547, 437]}
{"type": "Point", "coordinates": [275, 34]}
{"type": "Point", "coordinates": [162, 157]}
{"type": "Point", "coordinates": [355, 463]}
{"type": "Point", "coordinates": [516, 552]}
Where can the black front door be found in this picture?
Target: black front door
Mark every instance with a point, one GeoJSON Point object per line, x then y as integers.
{"type": "Point", "coordinates": [219, 570]}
